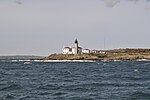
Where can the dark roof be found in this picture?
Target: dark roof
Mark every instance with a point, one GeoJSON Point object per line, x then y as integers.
{"type": "Point", "coordinates": [85, 49]}
{"type": "Point", "coordinates": [76, 41]}
{"type": "Point", "coordinates": [80, 47]}
{"type": "Point", "coordinates": [67, 47]}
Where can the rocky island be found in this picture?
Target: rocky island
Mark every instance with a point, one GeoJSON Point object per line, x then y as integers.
{"type": "Point", "coordinates": [116, 54]}
{"type": "Point", "coordinates": [77, 53]}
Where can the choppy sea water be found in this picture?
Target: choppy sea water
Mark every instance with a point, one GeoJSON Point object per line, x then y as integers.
{"type": "Point", "coordinates": [109, 80]}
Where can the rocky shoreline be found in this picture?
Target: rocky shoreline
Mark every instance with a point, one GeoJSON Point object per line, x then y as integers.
{"type": "Point", "coordinates": [117, 54]}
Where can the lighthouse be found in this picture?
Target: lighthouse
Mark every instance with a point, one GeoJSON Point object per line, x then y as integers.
{"type": "Point", "coordinates": [76, 46]}
{"type": "Point", "coordinates": [72, 50]}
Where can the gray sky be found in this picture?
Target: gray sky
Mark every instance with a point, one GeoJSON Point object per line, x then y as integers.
{"type": "Point", "coordinates": [42, 27]}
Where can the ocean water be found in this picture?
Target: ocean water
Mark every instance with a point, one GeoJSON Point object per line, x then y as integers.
{"type": "Point", "coordinates": [104, 80]}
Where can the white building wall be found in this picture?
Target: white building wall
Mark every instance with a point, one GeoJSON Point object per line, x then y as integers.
{"type": "Point", "coordinates": [85, 51]}
{"type": "Point", "coordinates": [79, 50]}
{"type": "Point", "coordinates": [73, 50]}
{"type": "Point", "coordinates": [67, 51]}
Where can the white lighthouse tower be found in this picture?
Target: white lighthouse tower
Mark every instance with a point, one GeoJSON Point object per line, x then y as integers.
{"type": "Point", "coordinates": [76, 46]}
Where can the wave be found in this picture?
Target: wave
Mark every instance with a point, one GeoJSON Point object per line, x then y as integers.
{"type": "Point", "coordinates": [20, 60]}
{"type": "Point", "coordinates": [143, 60]}
{"type": "Point", "coordinates": [140, 95]}
{"type": "Point", "coordinates": [28, 61]}
{"type": "Point", "coordinates": [64, 60]}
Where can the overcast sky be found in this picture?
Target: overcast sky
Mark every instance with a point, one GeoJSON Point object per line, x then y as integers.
{"type": "Point", "coordinates": [42, 27]}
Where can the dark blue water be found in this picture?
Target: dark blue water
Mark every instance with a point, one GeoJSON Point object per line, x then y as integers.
{"type": "Point", "coordinates": [122, 80]}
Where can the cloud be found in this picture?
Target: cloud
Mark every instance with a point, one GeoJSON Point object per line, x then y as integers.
{"type": "Point", "coordinates": [112, 3]}
{"type": "Point", "coordinates": [19, 1]}
{"type": "Point", "coordinates": [109, 3]}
